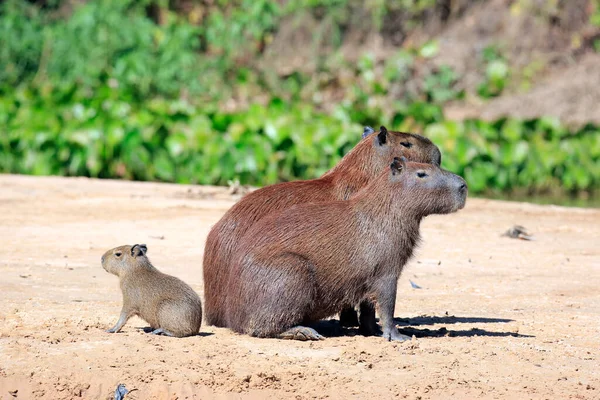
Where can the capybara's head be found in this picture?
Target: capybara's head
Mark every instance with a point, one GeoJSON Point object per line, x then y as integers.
{"type": "Point", "coordinates": [120, 260]}
{"type": "Point", "coordinates": [426, 188]}
{"type": "Point", "coordinates": [413, 147]}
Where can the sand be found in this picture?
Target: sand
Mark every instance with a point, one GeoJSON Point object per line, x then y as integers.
{"type": "Point", "coordinates": [495, 318]}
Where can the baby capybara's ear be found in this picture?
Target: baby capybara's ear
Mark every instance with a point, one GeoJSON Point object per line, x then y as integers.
{"type": "Point", "coordinates": [382, 135]}
{"type": "Point", "coordinates": [139, 250]}
{"type": "Point", "coordinates": [367, 131]}
{"type": "Point", "coordinates": [398, 165]}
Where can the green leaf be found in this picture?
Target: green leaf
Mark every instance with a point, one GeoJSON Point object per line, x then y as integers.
{"type": "Point", "coordinates": [176, 144]}
{"type": "Point", "coordinates": [476, 179]}
{"type": "Point", "coordinates": [163, 166]}
{"type": "Point", "coordinates": [497, 70]}
{"type": "Point", "coordinates": [429, 49]}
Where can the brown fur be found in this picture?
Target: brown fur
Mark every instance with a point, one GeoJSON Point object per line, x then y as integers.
{"type": "Point", "coordinates": [360, 166]}
{"type": "Point", "coordinates": [163, 301]}
{"type": "Point", "coordinates": [305, 263]}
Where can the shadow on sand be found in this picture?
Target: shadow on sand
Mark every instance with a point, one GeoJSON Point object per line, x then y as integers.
{"type": "Point", "coordinates": [407, 326]}
{"type": "Point", "coordinates": [147, 329]}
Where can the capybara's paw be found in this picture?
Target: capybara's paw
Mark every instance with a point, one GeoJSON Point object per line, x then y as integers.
{"type": "Point", "coordinates": [161, 331]}
{"type": "Point", "coordinates": [393, 334]}
{"type": "Point", "coordinates": [301, 333]}
{"type": "Point", "coordinates": [349, 317]}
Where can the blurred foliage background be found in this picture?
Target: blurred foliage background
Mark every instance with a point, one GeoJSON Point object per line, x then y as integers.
{"type": "Point", "coordinates": [262, 91]}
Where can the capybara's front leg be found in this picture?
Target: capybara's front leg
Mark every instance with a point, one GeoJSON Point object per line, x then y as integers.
{"type": "Point", "coordinates": [349, 317]}
{"type": "Point", "coordinates": [368, 326]}
{"type": "Point", "coordinates": [386, 298]}
{"type": "Point", "coordinates": [301, 333]}
{"type": "Point", "coordinates": [125, 315]}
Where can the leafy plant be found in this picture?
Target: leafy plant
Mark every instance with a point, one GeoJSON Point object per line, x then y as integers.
{"type": "Point", "coordinates": [439, 86]}
{"type": "Point", "coordinates": [110, 92]}
{"type": "Point", "coordinates": [496, 73]}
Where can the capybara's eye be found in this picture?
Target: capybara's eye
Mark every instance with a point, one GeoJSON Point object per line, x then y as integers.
{"type": "Point", "coordinates": [421, 174]}
{"type": "Point", "coordinates": [118, 254]}
{"type": "Point", "coordinates": [408, 145]}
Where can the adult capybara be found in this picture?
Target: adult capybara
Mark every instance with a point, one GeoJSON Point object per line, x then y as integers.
{"type": "Point", "coordinates": [168, 304]}
{"type": "Point", "coordinates": [305, 263]}
{"type": "Point", "coordinates": [360, 166]}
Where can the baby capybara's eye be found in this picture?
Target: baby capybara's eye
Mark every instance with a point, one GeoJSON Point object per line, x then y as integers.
{"type": "Point", "coordinates": [408, 145]}
{"type": "Point", "coordinates": [118, 254]}
{"type": "Point", "coordinates": [421, 174]}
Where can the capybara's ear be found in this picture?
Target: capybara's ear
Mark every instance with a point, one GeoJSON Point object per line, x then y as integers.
{"type": "Point", "coordinates": [367, 131]}
{"type": "Point", "coordinates": [139, 250]}
{"type": "Point", "coordinates": [398, 165]}
{"type": "Point", "coordinates": [382, 135]}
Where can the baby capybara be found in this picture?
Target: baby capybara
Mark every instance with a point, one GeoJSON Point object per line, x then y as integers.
{"type": "Point", "coordinates": [305, 263]}
{"type": "Point", "coordinates": [360, 166]}
{"type": "Point", "coordinates": [168, 304]}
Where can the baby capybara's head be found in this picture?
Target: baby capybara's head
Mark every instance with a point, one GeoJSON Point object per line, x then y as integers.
{"type": "Point", "coordinates": [120, 260]}
{"type": "Point", "coordinates": [413, 147]}
{"type": "Point", "coordinates": [426, 188]}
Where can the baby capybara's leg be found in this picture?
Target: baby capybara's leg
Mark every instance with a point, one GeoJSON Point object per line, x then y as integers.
{"type": "Point", "coordinates": [176, 318]}
{"type": "Point", "coordinates": [126, 313]}
{"type": "Point", "coordinates": [161, 331]}
{"type": "Point", "coordinates": [268, 298]}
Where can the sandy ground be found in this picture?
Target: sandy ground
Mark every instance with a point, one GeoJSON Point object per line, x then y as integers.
{"type": "Point", "coordinates": [495, 318]}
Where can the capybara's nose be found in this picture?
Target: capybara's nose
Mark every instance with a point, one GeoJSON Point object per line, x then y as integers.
{"type": "Point", "coordinates": [461, 185]}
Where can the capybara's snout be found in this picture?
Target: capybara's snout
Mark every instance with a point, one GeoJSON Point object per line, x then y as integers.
{"type": "Point", "coordinates": [461, 189]}
{"type": "Point", "coordinates": [105, 260]}
{"type": "Point", "coordinates": [104, 266]}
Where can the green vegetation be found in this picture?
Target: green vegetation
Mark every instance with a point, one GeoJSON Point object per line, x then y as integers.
{"type": "Point", "coordinates": [107, 91]}
{"type": "Point", "coordinates": [496, 73]}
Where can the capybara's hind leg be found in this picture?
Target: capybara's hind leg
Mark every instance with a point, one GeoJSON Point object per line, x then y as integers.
{"type": "Point", "coordinates": [348, 317]}
{"type": "Point", "coordinates": [161, 331]}
{"type": "Point", "coordinates": [301, 333]}
{"type": "Point", "coordinates": [178, 319]}
{"type": "Point", "coordinates": [269, 298]}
